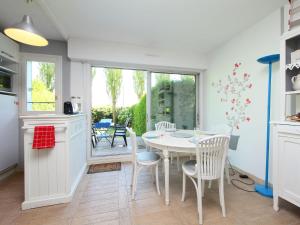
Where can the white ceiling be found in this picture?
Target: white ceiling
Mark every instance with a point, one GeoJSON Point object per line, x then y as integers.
{"type": "Point", "coordinates": [179, 25]}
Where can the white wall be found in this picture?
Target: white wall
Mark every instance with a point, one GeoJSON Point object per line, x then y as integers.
{"type": "Point", "coordinates": [259, 40]}
{"type": "Point", "coordinates": [126, 55]}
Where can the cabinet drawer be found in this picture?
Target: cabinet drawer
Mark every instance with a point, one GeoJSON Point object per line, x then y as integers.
{"type": "Point", "coordinates": [289, 129]}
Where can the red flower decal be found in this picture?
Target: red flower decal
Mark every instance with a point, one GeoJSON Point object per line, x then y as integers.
{"type": "Point", "coordinates": [231, 89]}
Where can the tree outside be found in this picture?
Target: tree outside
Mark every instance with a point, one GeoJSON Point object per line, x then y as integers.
{"type": "Point", "coordinates": [47, 71]}
{"type": "Point", "coordinates": [113, 87]}
{"type": "Point", "coordinates": [41, 91]}
{"type": "Point", "coordinates": [139, 83]}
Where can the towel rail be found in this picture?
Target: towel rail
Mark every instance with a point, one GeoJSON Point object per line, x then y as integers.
{"type": "Point", "coordinates": [32, 128]}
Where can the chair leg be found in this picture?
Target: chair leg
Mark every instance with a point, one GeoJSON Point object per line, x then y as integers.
{"type": "Point", "coordinates": [209, 184]}
{"type": "Point", "coordinates": [227, 173]}
{"type": "Point", "coordinates": [93, 144]}
{"type": "Point", "coordinates": [221, 196]}
{"type": "Point", "coordinates": [135, 174]}
{"type": "Point", "coordinates": [199, 202]}
{"type": "Point", "coordinates": [157, 179]}
{"type": "Point", "coordinates": [112, 141]}
{"type": "Point", "coordinates": [178, 161]}
{"type": "Point", "coordinates": [202, 187]}
{"type": "Point", "coordinates": [132, 175]}
{"type": "Point", "coordinates": [125, 140]}
{"type": "Point", "coordinates": [183, 186]}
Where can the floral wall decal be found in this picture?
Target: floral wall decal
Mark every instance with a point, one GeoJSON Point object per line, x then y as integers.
{"type": "Point", "coordinates": [232, 92]}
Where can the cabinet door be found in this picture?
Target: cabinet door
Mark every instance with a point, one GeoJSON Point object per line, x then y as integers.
{"type": "Point", "coordinates": [9, 128]}
{"type": "Point", "coordinates": [8, 48]}
{"type": "Point", "coordinates": [289, 167]}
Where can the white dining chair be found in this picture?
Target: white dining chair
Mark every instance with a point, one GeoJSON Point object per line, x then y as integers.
{"type": "Point", "coordinates": [226, 130]}
{"type": "Point", "coordinates": [162, 126]}
{"type": "Point", "coordinates": [209, 165]}
{"type": "Point", "coordinates": [141, 160]}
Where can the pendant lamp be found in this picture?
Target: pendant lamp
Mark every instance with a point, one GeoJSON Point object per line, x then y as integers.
{"type": "Point", "coordinates": [25, 33]}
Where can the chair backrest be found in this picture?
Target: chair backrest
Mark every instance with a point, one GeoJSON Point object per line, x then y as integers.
{"type": "Point", "coordinates": [222, 129]}
{"type": "Point", "coordinates": [106, 120]}
{"type": "Point", "coordinates": [211, 154]}
{"type": "Point", "coordinates": [100, 125]}
{"type": "Point", "coordinates": [133, 143]}
{"type": "Point", "coordinates": [164, 125]}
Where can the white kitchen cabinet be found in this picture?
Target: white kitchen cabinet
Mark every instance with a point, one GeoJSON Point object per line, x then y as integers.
{"type": "Point", "coordinates": [286, 162]}
{"type": "Point", "coordinates": [9, 130]}
{"type": "Point", "coordinates": [52, 175]}
{"type": "Point", "coordinates": [8, 49]}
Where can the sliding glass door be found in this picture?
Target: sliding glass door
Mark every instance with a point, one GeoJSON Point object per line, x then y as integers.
{"type": "Point", "coordinates": [173, 99]}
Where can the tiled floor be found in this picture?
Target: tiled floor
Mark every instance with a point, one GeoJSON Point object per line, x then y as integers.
{"type": "Point", "coordinates": [104, 199]}
{"type": "Point", "coordinates": [103, 147]}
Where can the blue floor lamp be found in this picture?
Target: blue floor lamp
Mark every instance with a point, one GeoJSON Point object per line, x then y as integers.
{"type": "Point", "coordinates": [264, 189]}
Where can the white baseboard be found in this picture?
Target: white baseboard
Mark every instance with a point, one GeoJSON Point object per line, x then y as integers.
{"type": "Point", "coordinates": [8, 172]}
{"type": "Point", "coordinates": [49, 200]}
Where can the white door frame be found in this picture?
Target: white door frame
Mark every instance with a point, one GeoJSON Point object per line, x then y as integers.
{"type": "Point", "coordinates": [148, 101]}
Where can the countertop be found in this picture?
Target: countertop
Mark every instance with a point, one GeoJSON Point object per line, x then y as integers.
{"type": "Point", "coordinates": [50, 116]}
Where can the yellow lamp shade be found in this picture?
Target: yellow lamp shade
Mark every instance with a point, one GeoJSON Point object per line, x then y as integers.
{"type": "Point", "coordinates": [25, 33]}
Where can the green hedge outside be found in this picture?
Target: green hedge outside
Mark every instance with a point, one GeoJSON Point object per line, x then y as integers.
{"type": "Point", "coordinates": [139, 117]}
{"type": "Point", "coordinates": [105, 112]}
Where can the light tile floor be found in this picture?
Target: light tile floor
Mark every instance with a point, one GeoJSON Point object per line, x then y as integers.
{"type": "Point", "coordinates": [104, 199]}
{"type": "Point", "coordinates": [104, 149]}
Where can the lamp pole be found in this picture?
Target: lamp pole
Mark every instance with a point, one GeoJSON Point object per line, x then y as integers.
{"type": "Point", "coordinates": [265, 190]}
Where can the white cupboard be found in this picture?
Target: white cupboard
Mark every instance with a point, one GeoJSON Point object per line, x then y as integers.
{"type": "Point", "coordinates": [286, 163]}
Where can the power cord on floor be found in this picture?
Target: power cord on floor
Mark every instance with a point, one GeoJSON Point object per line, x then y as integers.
{"type": "Point", "coordinates": [234, 181]}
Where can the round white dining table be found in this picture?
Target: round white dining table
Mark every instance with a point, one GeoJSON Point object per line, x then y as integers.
{"type": "Point", "coordinates": [167, 142]}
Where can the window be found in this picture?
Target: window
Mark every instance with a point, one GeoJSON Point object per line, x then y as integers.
{"type": "Point", "coordinates": [42, 87]}
{"type": "Point", "coordinates": [173, 99]}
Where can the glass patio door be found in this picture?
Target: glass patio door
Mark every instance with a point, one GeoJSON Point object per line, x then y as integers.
{"type": "Point", "coordinates": [173, 99]}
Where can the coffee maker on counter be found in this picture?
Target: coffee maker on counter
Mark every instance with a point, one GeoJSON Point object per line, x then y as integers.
{"type": "Point", "coordinates": [73, 106]}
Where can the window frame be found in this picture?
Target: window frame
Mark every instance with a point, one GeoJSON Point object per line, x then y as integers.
{"type": "Point", "coordinates": [57, 60]}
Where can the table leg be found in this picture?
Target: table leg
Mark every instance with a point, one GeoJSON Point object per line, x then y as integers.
{"type": "Point", "coordinates": [166, 164]}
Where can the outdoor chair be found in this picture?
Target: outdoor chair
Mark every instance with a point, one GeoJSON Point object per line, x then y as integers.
{"type": "Point", "coordinates": [120, 131]}
{"type": "Point", "coordinates": [102, 131]}
{"type": "Point", "coordinates": [94, 137]}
